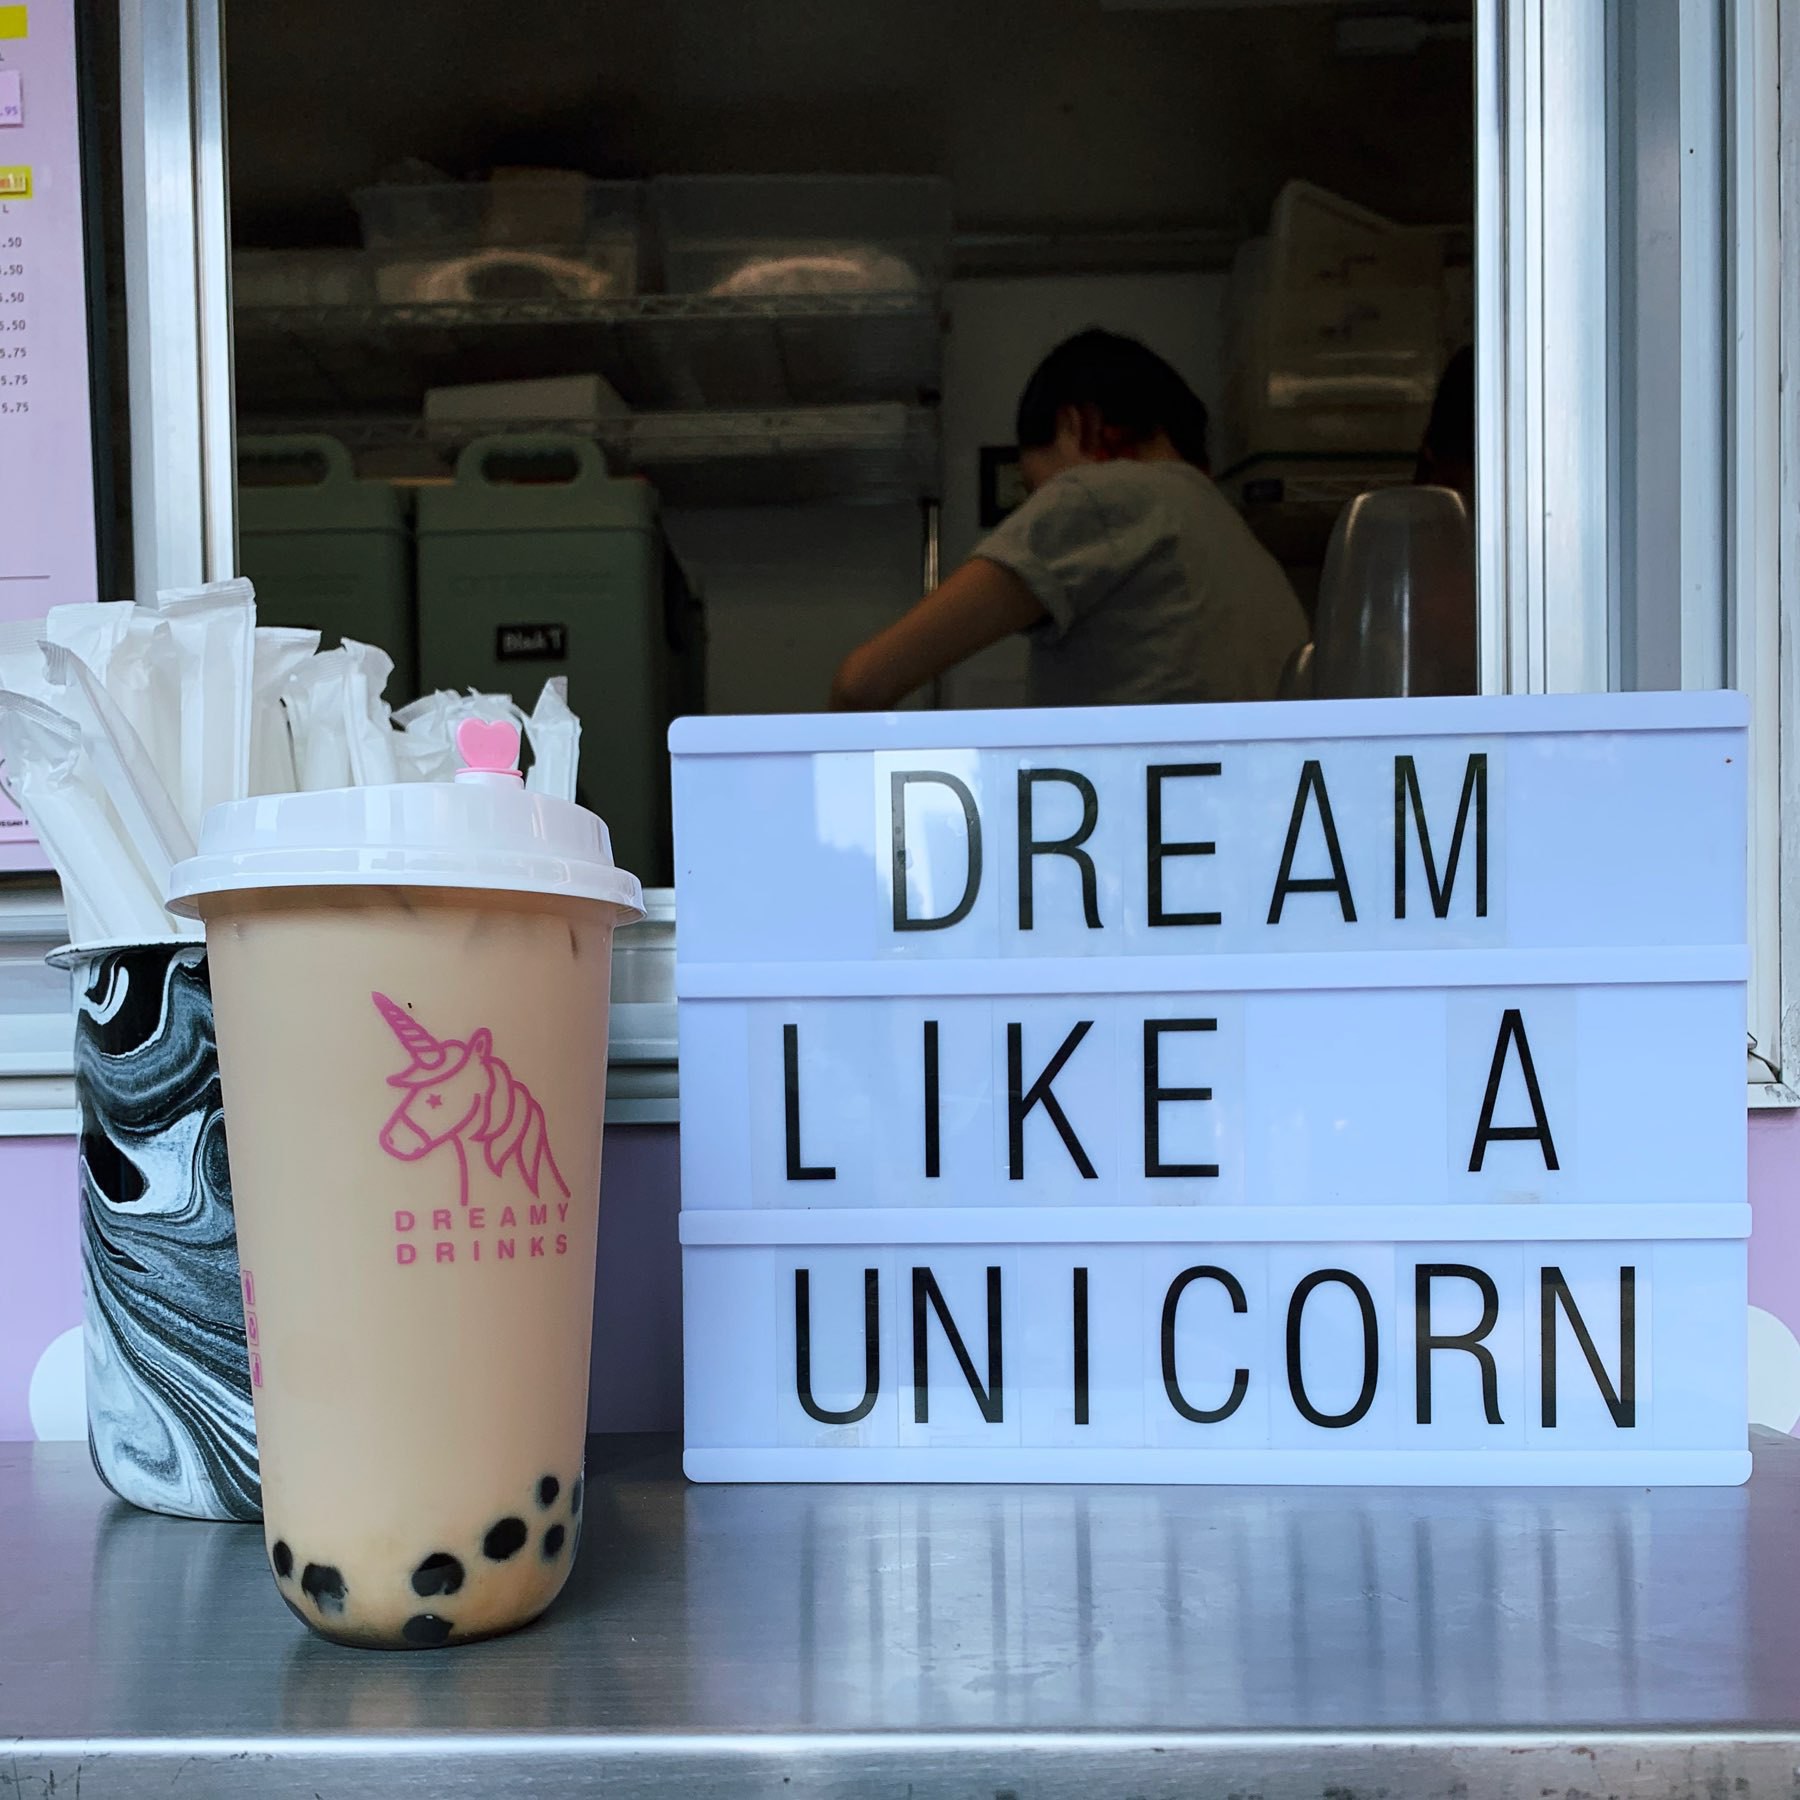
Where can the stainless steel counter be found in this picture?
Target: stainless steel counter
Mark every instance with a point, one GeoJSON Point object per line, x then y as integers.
{"type": "Point", "coordinates": [980, 1641]}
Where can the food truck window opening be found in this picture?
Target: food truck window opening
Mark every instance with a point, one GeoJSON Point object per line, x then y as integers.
{"type": "Point", "coordinates": [1636, 450]}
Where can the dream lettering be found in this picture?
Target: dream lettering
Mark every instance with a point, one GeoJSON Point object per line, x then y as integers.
{"type": "Point", "coordinates": [1309, 870]}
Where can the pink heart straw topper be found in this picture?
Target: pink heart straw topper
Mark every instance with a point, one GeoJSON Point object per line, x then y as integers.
{"type": "Point", "coordinates": [489, 749]}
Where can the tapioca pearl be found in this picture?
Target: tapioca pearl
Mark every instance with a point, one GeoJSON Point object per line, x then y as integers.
{"type": "Point", "coordinates": [504, 1539]}
{"type": "Point", "coordinates": [426, 1630]}
{"type": "Point", "coordinates": [323, 1586]}
{"type": "Point", "coordinates": [553, 1543]}
{"type": "Point", "coordinates": [282, 1559]}
{"type": "Point", "coordinates": [575, 1494]}
{"type": "Point", "coordinates": [439, 1573]}
{"type": "Point", "coordinates": [548, 1489]}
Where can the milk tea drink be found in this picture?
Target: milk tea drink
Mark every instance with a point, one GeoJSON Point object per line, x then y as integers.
{"type": "Point", "coordinates": [410, 990]}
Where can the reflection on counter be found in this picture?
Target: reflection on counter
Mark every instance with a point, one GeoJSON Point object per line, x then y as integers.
{"type": "Point", "coordinates": [1142, 1607]}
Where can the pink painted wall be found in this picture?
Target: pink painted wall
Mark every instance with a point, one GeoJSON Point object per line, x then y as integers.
{"type": "Point", "coordinates": [40, 1275]}
{"type": "Point", "coordinates": [1775, 1269]}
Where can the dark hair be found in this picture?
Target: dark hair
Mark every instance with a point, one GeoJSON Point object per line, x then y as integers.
{"type": "Point", "coordinates": [1128, 384]}
{"type": "Point", "coordinates": [1450, 433]}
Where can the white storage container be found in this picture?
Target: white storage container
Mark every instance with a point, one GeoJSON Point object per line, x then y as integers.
{"type": "Point", "coordinates": [584, 398]}
{"type": "Point", "coordinates": [1322, 242]}
{"type": "Point", "coordinates": [753, 235]}
{"type": "Point", "coordinates": [1348, 1092]}
{"type": "Point", "coordinates": [1336, 325]}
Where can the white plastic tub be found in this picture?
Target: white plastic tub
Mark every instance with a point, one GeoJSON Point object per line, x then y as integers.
{"type": "Point", "coordinates": [553, 237]}
{"type": "Point", "coordinates": [749, 236]}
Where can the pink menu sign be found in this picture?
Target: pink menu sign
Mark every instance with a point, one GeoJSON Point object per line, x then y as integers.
{"type": "Point", "coordinates": [47, 549]}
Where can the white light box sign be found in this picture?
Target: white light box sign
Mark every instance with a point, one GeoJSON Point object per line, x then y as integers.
{"type": "Point", "coordinates": [1000, 1034]}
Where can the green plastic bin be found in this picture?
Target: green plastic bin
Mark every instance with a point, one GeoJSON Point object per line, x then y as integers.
{"type": "Point", "coordinates": [326, 549]}
{"type": "Point", "coordinates": [536, 562]}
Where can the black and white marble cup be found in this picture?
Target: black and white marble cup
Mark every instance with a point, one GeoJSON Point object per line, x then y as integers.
{"type": "Point", "coordinates": [170, 1421]}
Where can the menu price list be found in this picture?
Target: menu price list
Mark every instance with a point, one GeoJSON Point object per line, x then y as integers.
{"type": "Point", "coordinates": [47, 550]}
{"type": "Point", "coordinates": [47, 554]}
{"type": "Point", "coordinates": [15, 323]}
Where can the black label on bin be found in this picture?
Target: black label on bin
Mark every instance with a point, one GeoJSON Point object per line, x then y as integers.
{"type": "Point", "coordinates": [532, 643]}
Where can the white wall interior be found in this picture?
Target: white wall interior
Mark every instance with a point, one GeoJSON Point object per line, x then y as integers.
{"type": "Point", "coordinates": [789, 589]}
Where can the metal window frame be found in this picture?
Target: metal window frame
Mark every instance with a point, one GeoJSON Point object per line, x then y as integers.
{"type": "Point", "coordinates": [1549, 505]}
{"type": "Point", "coordinates": [177, 291]}
{"type": "Point", "coordinates": [1540, 336]}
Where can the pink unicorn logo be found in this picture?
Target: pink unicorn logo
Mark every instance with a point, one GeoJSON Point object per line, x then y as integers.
{"type": "Point", "coordinates": [460, 1094]}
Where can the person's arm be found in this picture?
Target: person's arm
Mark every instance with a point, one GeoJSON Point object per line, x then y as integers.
{"type": "Point", "coordinates": [977, 606]}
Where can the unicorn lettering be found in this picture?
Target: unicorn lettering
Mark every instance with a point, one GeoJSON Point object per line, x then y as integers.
{"type": "Point", "coordinates": [463, 1095]}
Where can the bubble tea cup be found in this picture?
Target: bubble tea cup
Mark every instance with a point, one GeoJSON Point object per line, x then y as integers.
{"type": "Point", "coordinates": [410, 990]}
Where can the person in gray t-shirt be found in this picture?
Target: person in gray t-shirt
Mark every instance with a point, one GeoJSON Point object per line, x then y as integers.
{"type": "Point", "coordinates": [1131, 574]}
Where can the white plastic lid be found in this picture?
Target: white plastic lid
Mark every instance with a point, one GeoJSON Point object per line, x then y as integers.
{"type": "Point", "coordinates": [414, 834]}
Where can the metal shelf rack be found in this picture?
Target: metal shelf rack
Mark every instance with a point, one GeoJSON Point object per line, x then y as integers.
{"type": "Point", "coordinates": [761, 456]}
{"type": "Point", "coordinates": [660, 351]}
